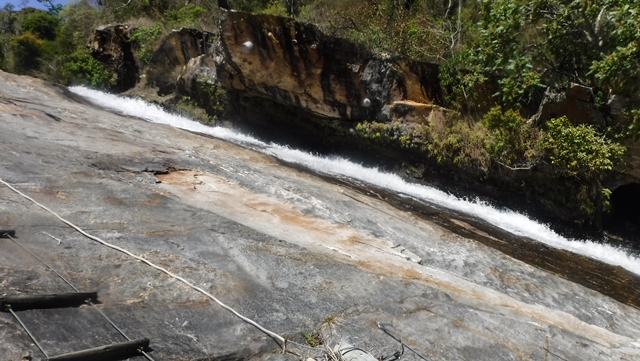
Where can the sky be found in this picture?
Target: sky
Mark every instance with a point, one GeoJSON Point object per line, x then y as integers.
{"type": "Point", "coordinates": [19, 4]}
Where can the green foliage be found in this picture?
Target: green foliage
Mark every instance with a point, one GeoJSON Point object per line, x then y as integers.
{"type": "Point", "coordinates": [26, 49]}
{"type": "Point", "coordinates": [146, 36]}
{"type": "Point", "coordinates": [8, 20]}
{"type": "Point", "coordinates": [459, 141]}
{"type": "Point", "coordinates": [42, 24]}
{"type": "Point", "coordinates": [82, 68]}
{"type": "Point", "coordinates": [580, 150]}
{"type": "Point", "coordinates": [80, 19]}
{"type": "Point", "coordinates": [186, 16]}
{"type": "Point", "coordinates": [276, 7]}
{"type": "Point", "coordinates": [634, 127]}
{"type": "Point", "coordinates": [312, 339]}
{"type": "Point", "coordinates": [619, 68]}
{"type": "Point", "coordinates": [402, 135]}
{"type": "Point", "coordinates": [532, 43]}
{"type": "Point", "coordinates": [512, 140]}
{"type": "Point", "coordinates": [251, 6]}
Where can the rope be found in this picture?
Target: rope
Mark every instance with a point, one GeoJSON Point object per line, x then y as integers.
{"type": "Point", "coordinates": [27, 330]}
{"type": "Point", "coordinates": [75, 289]}
{"type": "Point", "coordinates": [403, 345]}
{"type": "Point", "coordinates": [150, 264]}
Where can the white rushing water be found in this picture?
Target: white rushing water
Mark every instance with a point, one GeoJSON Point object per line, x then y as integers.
{"type": "Point", "coordinates": [510, 221]}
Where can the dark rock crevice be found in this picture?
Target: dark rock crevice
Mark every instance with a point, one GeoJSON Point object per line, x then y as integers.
{"type": "Point", "coordinates": [624, 218]}
{"type": "Point", "coordinates": [111, 45]}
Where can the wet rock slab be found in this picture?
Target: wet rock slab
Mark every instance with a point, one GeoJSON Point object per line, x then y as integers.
{"type": "Point", "coordinates": [308, 259]}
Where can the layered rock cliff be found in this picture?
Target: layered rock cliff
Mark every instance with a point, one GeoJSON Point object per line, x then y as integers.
{"type": "Point", "coordinates": [296, 65]}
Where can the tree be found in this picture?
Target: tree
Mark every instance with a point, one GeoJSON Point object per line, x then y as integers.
{"type": "Point", "coordinates": [41, 24]}
{"type": "Point", "coordinates": [533, 43]}
{"type": "Point", "coordinates": [54, 9]}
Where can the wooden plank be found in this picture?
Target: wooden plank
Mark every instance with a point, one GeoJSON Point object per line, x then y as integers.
{"type": "Point", "coordinates": [58, 300]}
{"type": "Point", "coordinates": [7, 232]}
{"type": "Point", "coordinates": [118, 351]}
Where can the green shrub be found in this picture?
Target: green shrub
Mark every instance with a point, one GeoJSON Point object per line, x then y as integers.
{"type": "Point", "coordinates": [146, 36]}
{"type": "Point", "coordinates": [26, 49]}
{"type": "Point", "coordinates": [580, 150]}
{"type": "Point", "coordinates": [512, 140]}
{"type": "Point", "coordinates": [186, 16]}
{"type": "Point", "coordinates": [460, 141]}
{"type": "Point", "coordinates": [401, 135]}
{"type": "Point", "coordinates": [82, 68]}
{"type": "Point", "coordinates": [276, 7]}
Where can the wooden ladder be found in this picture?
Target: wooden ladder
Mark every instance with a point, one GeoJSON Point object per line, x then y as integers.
{"type": "Point", "coordinates": [116, 351]}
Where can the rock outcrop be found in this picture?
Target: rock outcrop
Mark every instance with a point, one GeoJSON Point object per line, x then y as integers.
{"type": "Point", "coordinates": [172, 56]}
{"type": "Point", "coordinates": [295, 64]}
{"type": "Point", "coordinates": [577, 103]}
{"type": "Point", "coordinates": [111, 45]}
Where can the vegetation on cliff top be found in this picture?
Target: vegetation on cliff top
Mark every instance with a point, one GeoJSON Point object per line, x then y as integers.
{"type": "Point", "coordinates": [518, 48]}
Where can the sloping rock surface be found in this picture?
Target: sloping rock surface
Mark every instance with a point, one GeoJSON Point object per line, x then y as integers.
{"type": "Point", "coordinates": [294, 252]}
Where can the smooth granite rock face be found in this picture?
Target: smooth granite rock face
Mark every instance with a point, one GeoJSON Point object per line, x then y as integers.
{"type": "Point", "coordinates": [302, 256]}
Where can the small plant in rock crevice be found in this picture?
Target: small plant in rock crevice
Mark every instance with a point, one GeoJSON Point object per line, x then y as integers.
{"type": "Point", "coordinates": [312, 338]}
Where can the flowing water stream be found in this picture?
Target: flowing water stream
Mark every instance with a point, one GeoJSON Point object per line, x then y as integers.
{"type": "Point", "coordinates": [510, 221]}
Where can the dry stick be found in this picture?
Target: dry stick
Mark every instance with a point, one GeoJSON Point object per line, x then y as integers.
{"type": "Point", "coordinates": [149, 263]}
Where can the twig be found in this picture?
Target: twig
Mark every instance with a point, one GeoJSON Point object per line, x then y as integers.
{"type": "Point", "coordinates": [516, 168]}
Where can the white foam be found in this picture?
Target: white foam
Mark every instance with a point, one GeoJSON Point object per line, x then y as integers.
{"type": "Point", "coordinates": [510, 221]}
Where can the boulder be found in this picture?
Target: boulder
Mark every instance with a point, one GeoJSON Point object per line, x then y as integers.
{"type": "Point", "coordinates": [172, 56]}
{"type": "Point", "coordinates": [111, 45]}
{"type": "Point", "coordinates": [295, 64]}
{"type": "Point", "coordinates": [577, 103]}
{"type": "Point", "coordinates": [198, 82]}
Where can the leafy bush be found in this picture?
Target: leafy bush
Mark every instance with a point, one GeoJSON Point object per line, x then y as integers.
{"type": "Point", "coordinates": [82, 68]}
{"type": "Point", "coordinates": [187, 15]}
{"type": "Point", "coordinates": [276, 7]}
{"type": "Point", "coordinates": [532, 43]}
{"type": "Point", "coordinates": [26, 49]}
{"type": "Point", "coordinates": [512, 140]}
{"type": "Point", "coordinates": [402, 135]}
{"type": "Point", "coordinates": [146, 36]}
{"type": "Point", "coordinates": [459, 141]}
{"type": "Point", "coordinates": [580, 150]}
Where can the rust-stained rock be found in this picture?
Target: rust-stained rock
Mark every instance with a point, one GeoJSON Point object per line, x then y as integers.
{"type": "Point", "coordinates": [296, 64]}
{"type": "Point", "coordinates": [111, 45]}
